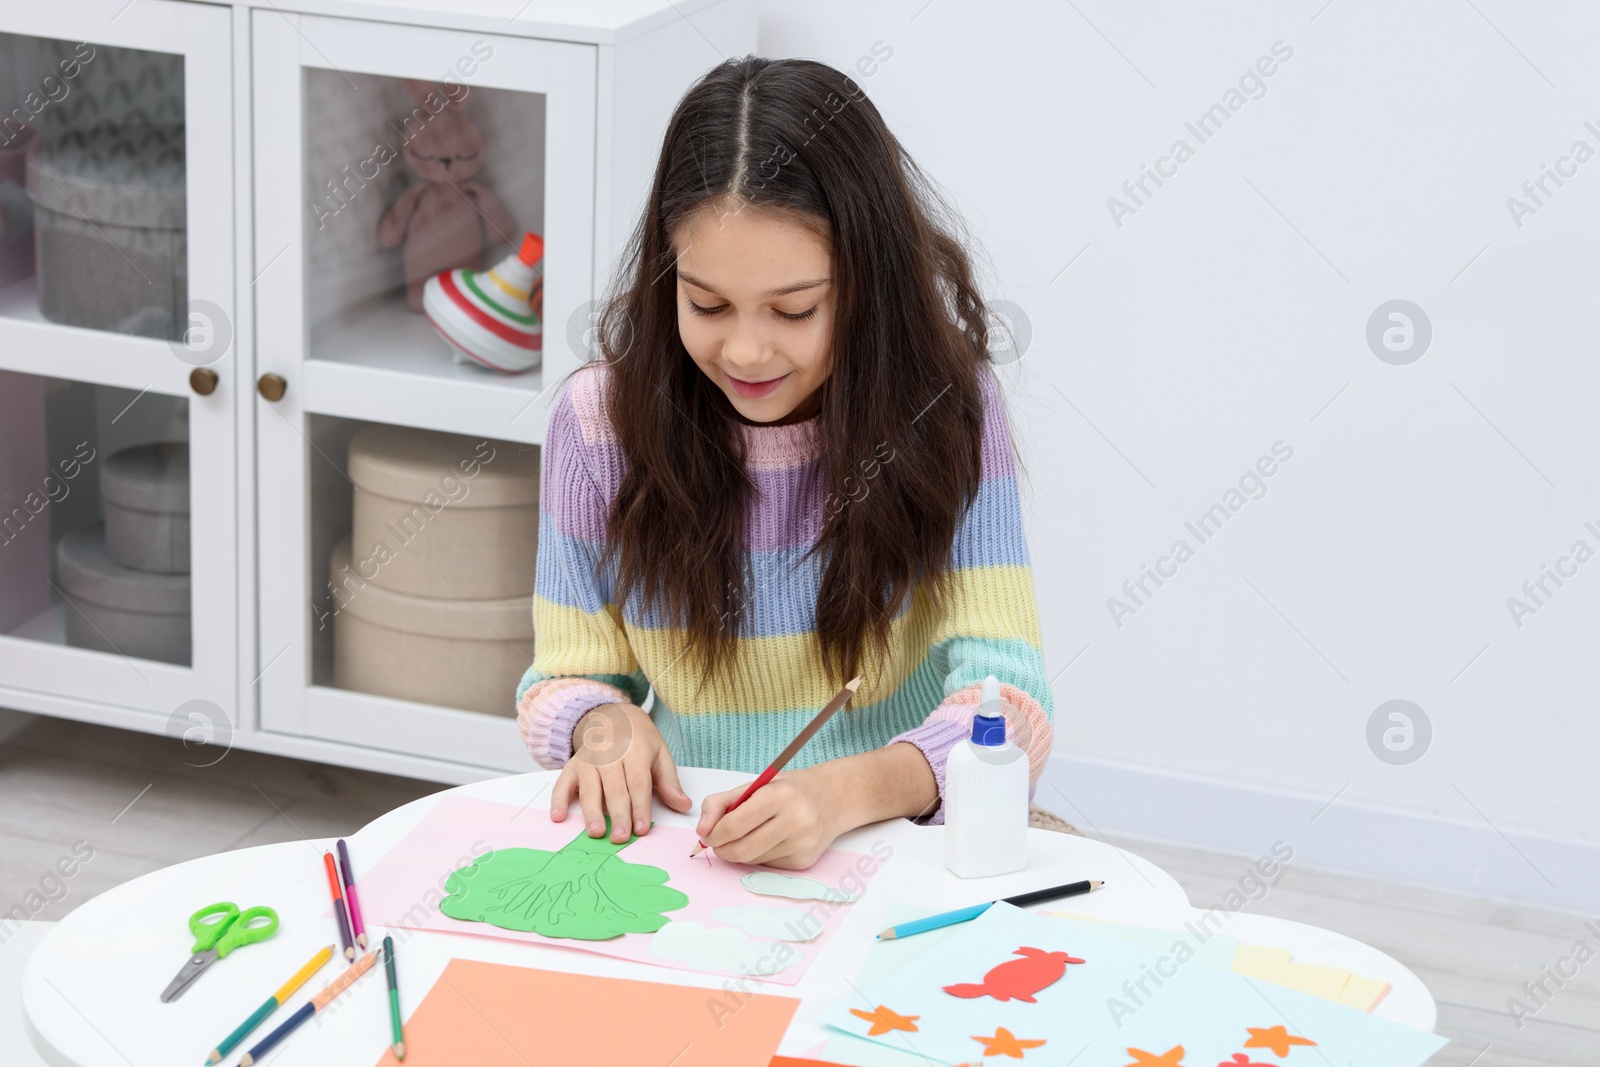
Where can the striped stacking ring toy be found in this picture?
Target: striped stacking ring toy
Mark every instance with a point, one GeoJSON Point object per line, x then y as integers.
{"type": "Point", "coordinates": [491, 317]}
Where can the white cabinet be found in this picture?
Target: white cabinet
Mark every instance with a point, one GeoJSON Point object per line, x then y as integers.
{"type": "Point", "coordinates": [298, 119]}
{"type": "Point", "coordinates": [134, 234]}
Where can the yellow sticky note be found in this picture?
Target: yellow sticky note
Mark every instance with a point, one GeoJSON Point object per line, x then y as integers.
{"type": "Point", "coordinates": [1261, 961]}
{"type": "Point", "coordinates": [1363, 993]}
{"type": "Point", "coordinates": [1324, 982]}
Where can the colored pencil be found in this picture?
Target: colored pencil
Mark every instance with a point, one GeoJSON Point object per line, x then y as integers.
{"type": "Point", "coordinates": [310, 1008]}
{"type": "Point", "coordinates": [838, 701]}
{"type": "Point", "coordinates": [396, 1031]}
{"type": "Point", "coordinates": [358, 929]}
{"type": "Point", "coordinates": [272, 1004]}
{"type": "Point", "coordinates": [961, 915]}
{"type": "Point", "coordinates": [338, 906]}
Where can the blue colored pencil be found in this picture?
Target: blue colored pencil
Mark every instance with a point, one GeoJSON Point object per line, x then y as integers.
{"type": "Point", "coordinates": [287, 1027]}
{"type": "Point", "coordinates": [329, 992]}
{"type": "Point", "coordinates": [961, 915]}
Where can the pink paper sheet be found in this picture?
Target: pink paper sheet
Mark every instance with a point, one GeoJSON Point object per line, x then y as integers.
{"type": "Point", "coordinates": [404, 888]}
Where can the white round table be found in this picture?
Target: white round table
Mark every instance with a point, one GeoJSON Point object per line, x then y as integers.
{"type": "Point", "coordinates": [91, 988]}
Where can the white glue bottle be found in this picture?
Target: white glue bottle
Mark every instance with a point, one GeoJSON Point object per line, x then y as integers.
{"type": "Point", "coordinates": [986, 797]}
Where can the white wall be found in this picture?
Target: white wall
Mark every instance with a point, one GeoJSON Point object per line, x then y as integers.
{"type": "Point", "coordinates": [1229, 312]}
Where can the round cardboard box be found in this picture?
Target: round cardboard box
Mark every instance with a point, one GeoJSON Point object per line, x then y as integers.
{"type": "Point", "coordinates": [445, 515]}
{"type": "Point", "coordinates": [146, 493]}
{"type": "Point", "coordinates": [110, 244]}
{"type": "Point", "coordinates": [114, 609]}
{"type": "Point", "coordinates": [433, 650]}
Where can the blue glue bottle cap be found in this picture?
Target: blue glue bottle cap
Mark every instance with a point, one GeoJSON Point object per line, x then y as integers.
{"type": "Point", "coordinates": [989, 725]}
{"type": "Point", "coordinates": [988, 730]}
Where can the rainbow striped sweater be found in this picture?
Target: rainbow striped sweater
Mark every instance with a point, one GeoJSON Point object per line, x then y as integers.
{"type": "Point", "coordinates": [591, 652]}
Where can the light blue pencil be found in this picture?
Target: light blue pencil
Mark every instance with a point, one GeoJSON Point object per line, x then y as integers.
{"type": "Point", "coordinates": [961, 915]}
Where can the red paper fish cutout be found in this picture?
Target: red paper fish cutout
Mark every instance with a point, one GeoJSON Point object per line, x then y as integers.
{"type": "Point", "coordinates": [1018, 979]}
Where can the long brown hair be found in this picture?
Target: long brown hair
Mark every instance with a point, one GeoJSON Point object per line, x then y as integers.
{"type": "Point", "coordinates": [800, 139]}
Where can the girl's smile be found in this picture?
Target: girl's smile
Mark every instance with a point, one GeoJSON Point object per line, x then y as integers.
{"type": "Point", "coordinates": [756, 389]}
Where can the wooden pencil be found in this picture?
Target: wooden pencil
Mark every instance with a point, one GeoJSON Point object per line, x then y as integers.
{"type": "Point", "coordinates": [270, 1005]}
{"type": "Point", "coordinates": [342, 916]}
{"type": "Point", "coordinates": [358, 929]}
{"type": "Point", "coordinates": [839, 700]}
{"type": "Point", "coordinates": [396, 1029]}
{"type": "Point", "coordinates": [309, 1008]}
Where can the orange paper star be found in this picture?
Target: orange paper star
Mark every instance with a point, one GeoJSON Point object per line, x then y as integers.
{"type": "Point", "coordinates": [883, 1020]}
{"type": "Point", "coordinates": [1173, 1057]}
{"type": "Point", "coordinates": [1275, 1038]}
{"type": "Point", "coordinates": [1004, 1044]}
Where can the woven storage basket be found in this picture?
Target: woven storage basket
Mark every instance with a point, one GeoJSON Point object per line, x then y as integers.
{"type": "Point", "coordinates": [446, 515]}
{"type": "Point", "coordinates": [434, 650]}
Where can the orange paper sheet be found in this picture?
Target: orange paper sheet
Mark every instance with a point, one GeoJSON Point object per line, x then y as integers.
{"type": "Point", "coordinates": [495, 1015]}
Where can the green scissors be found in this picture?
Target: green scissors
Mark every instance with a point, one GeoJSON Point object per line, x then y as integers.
{"type": "Point", "coordinates": [219, 929]}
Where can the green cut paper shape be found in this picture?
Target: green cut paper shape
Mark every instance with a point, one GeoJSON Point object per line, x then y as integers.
{"type": "Point", "coordinates": [586, 891]}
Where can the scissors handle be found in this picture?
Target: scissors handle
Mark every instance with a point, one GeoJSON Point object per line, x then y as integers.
{"type": "Point", "coordinates": [223, 927]}
{"type": "Point", "coordinates": [245, 931]}
{"type": "Point", "coordinates": [209, 923]}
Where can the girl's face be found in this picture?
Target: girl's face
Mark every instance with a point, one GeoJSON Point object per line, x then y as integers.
{"type": "Point", "coordinates": [755, 310]}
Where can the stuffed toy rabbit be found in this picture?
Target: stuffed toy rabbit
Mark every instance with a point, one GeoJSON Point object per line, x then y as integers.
{"type": "Point", "coordinates": [444, 218]}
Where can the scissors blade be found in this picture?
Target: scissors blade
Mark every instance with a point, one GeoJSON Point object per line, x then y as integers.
{"type": "Point", "coordinates": [187, 974]}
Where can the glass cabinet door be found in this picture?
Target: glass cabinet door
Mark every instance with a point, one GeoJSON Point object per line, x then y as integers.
{"type": "Point", "coordinates": [118, 563]}
{"type": "Point", "coordinates": [424, 233]}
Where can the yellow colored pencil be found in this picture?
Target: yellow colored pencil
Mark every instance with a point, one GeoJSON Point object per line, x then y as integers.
{"type": "Point", "coordinates": [272, 1004]}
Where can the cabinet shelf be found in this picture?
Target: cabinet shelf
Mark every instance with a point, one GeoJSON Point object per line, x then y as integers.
{"type": "Point", "coordinates": [32, 344]}
{"type": "Point", "coordinates": [388, 364]}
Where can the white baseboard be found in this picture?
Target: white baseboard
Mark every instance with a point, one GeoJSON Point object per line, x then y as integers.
{"type": "Point", "coordinates": [1512, 864]}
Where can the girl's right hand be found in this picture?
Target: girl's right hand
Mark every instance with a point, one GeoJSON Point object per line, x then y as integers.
{"type": "Point", "coordinates": [617, 756]}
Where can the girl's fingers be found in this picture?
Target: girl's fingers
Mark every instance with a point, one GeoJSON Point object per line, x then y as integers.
{"type": "Point", "coordinates": [666, 776]}
{"type": "Point", "coordinates": [755, 845]}
{"type": "Point", "coordinates": [592, 799]}
{"type": "Point", "coordinates": [618, 803]}
{"type": "Point", "coordinates": [561, 795]}
{"type": "Point", "coordinates": [637, 774]}
{"type": "Point", "coordinates": [711, 809]}
{"type": "Point", "coordinates": [742, 820]}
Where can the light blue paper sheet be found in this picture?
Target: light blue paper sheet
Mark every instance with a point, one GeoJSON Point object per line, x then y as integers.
{"type": "Point", "coordinates": [1124, 996]}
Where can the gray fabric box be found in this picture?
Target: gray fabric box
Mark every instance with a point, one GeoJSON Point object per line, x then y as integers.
{"type": "Point", "coordinates": [109, 236]}
{"type": "Point", "coordinates": [146, 493]}
{"type": "Point", "coordinates": [114, 609]}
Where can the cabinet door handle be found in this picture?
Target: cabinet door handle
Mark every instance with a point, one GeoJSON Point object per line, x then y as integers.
{"type": "Point", "coordinates": [203, 380]}
{"type": "Point", "coordinates": [271, 386]}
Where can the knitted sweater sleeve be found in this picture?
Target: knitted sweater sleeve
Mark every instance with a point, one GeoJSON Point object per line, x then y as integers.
{"type": "Point", "coordinates": [582, 658]}
{"type": "Point", "coordinates": [992, 625]}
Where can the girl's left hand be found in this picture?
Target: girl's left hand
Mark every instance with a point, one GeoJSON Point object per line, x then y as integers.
{"type": "Point", "coordinates": [788, 822]}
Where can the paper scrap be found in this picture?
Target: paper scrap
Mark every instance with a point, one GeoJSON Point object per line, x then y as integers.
{"type": "Point", "coordinates": [720, 948]}
{"type": "Point", "coordinates": [793, 886]}
{"type": "Point", "coordinates": [1261, 961]}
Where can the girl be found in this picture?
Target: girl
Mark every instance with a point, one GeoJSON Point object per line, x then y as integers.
{"type": "Point", "coordinates": [789, 465]}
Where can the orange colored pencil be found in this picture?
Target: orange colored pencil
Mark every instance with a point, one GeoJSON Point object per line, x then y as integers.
{"type": "Point", "coordinates": [339, 913]}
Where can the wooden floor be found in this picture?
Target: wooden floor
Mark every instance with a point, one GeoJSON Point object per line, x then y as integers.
{"type": "Point", "coordinates": [139, 804]}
